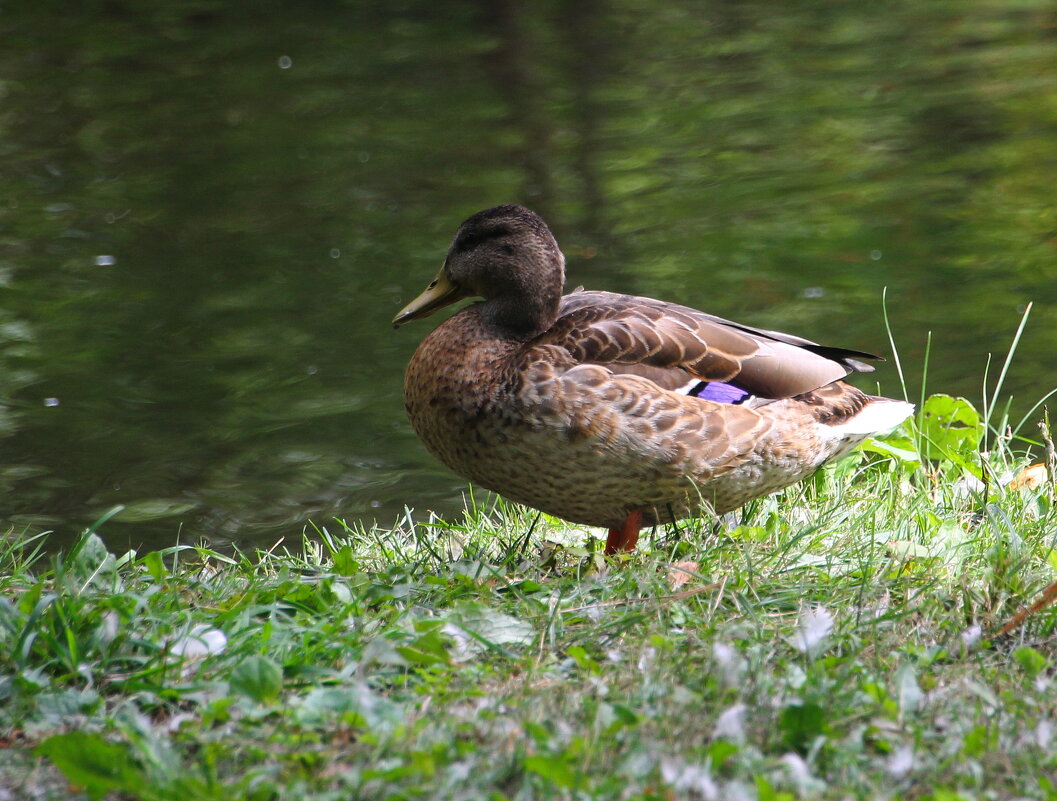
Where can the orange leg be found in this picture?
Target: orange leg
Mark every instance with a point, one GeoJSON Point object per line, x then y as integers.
{"type": "Point", "coordinates": [626, 537]}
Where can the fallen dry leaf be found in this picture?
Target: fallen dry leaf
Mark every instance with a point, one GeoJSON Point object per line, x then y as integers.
{"type": "Point", "coordinates": [680, 573]}
{"type": "Point", "coordinates": [1031, 478]}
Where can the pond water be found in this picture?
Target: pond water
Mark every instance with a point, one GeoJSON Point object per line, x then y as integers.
{"type": "Point", "coordinates": [209, 218]}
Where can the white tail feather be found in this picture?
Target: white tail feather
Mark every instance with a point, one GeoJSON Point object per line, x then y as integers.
{"type": "Point", "coordinates": [879, 415]}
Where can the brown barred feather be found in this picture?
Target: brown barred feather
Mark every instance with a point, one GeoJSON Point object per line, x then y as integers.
{"type": "Point", "coordinates": [606, 328]}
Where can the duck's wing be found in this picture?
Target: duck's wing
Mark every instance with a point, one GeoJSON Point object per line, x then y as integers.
{"type": "Point", "coordinates": [675, 346]}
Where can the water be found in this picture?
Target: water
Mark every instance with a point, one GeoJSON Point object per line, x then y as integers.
{"type": "Point", "coordinates": [209, 220]}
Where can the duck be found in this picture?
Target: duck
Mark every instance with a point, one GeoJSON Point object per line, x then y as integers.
{"type": "Point", "coordinates": [613, 410]}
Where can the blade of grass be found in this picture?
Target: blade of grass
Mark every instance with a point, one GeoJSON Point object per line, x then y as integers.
{"type": "Point", "coordinates": [892, 343]}
{"type": "Point", "coordinates": [990, 406]}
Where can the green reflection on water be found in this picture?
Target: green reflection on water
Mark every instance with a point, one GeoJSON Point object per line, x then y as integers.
{"type": "Point", "coordinates": [209, 220]}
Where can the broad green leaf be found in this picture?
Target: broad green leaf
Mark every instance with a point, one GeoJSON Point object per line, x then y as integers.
{"type": "Point", "coordinates": [345, 563]}
{"type": "Point", "coordinates": [429, 649]}
{"type": "Point", "coordinates": [800, 723]}
{"type": "Point", "coordinates": [977, 741]}
{"type": "Point", "coordinates": [155, 566]}
{"type": "Point", "coordinates": [906, 550]}
{"type": "Point", "coordinates": [552, 768]}
{"type": "Point", "coordinates": [583, 660]}
{"type": "Point", "coordinates": [59, 706]}
{"type": "Point", "coordinates": [90, 761]}
{"type": "Point", "coordinates": [749, 533]}
{"type": "Point", "coordinates": [477, 628]}
{"type": "Point", "coordinates": [899, 448]}
{"type": "Point", "coordinates": [721, 751]}
{"type": "Point", "coordinates": [358, 705]}
{"type": "Point", "coordinates": [766, 792]}
{"type": "Point", "coordinates": [91, 561]}
{"type": "Point", "coordinates": [950, 535]}
{"type": "Point", "coordinates": [257, 677]}
{"type": "Point", "coordinates": [625, 714]}
{"type": "Point", "coordinates": [951, 427]}
{"type": "Point", "coordinates": [537, 732]}
{"type": "Point", "coordinates": [907, 689]}
{"type": "Point", "coordinates": [1030, 660]}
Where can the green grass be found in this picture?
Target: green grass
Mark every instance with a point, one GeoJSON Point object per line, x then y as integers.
{"type": "Point", "coordinates": [835, 641]}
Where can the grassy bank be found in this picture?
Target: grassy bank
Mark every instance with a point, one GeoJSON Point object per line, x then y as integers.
{"type": "Point", "coordinates": [837, 640]}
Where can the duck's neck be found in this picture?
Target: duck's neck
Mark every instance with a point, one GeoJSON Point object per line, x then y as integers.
{"type": "Point", "coordinates": [522, 316]}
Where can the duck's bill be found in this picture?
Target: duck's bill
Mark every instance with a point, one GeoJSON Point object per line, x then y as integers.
{"type": "Point", "coordinates": [440, 293]}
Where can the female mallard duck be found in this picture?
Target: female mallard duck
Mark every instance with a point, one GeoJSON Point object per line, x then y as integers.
{"type": "Point", "coordinates": [613, 410]}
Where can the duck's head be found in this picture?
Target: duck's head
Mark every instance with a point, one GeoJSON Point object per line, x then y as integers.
{"type": "Point", "coordinates": [508, 256]}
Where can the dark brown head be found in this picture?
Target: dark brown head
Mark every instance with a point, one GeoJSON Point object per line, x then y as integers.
{"type": "Point", "coordinates": [508, 256]}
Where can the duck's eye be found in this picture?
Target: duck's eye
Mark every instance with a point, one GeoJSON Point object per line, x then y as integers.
{"type": "Point", "coordinates": [467, 242]}
{"type": "Point", "coordinates": [471, 239]}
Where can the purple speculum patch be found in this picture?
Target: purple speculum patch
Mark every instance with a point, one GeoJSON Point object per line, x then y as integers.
{"type": "Point", "coordinates": [718, 392]}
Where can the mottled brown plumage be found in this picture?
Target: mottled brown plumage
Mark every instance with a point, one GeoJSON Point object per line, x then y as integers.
{"type": "Point", "coordinates": [578, 405]}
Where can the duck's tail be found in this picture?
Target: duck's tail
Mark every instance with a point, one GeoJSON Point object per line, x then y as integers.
{"type": "Point", "coordinates": [877, 416]}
